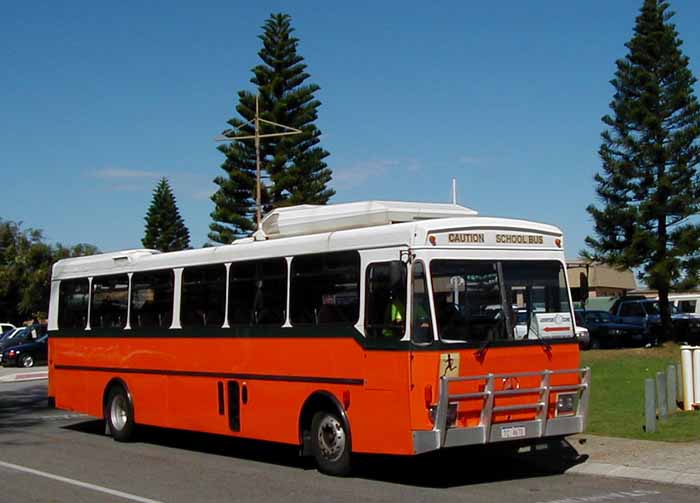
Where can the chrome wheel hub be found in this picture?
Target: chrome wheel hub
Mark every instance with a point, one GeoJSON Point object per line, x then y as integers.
{"type": "Point", "coordinates": [117, 412]}
{"type": "Point", "coordinates": [331, 438]}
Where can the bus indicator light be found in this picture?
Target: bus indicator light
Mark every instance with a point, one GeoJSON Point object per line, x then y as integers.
{"type": "Point", "coordinates": [428, 395]}
{"type": "Point", "coordinates": [557, 242]}
{"type": "Point", "coordinates": [566, 404]}
{"type": "Point", "coordinates": [433, 240]}
{"type": "Point", "coordinates": [346, 399]}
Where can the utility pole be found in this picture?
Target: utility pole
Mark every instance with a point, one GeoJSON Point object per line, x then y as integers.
{"type": "Point", "coordinates": [257, 137]}
{"type": "Point", "coordinates": [258, 215]}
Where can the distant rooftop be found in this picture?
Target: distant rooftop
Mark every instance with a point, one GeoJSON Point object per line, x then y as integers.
{"type": "Point", "coordinates": [600, 275]}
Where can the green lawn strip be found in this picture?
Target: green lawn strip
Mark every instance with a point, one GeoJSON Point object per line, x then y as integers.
{"type": "Point", "coordinates": [617, 394]}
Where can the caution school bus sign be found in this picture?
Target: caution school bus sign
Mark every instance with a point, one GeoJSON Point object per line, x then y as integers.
{"type": "Point", "coordinates": [495, 239]}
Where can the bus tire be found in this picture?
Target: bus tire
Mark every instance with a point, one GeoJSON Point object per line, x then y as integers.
{"type": "Point", "coordinates": [330, 444]}
{"type": "Point", "coordinates": [119, 414]}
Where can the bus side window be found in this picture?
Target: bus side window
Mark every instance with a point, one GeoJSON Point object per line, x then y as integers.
{"type": "Point", "coordinates": [386, 300]}
{"type": "Point", "coordinates": [422, 326]}
{"type": "Point", "coordinates": [109, 301]}
{"type": "Point", "coordinates": [152, 299]}
{"type": "Point", "coordinates": [325, 289]}
{"type": "Point", "coordinates": [203, 298]}
{"type": "Point", "coordinates": [258, 292]}
{"type": "Point", "coordinates": [73, 303]}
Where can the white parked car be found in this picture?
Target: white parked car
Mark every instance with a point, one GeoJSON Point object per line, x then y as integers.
{"type": "Point", "coordinates": [6, 327]}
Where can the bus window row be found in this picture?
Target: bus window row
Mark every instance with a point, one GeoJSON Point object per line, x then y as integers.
{"type": "Point", "coordinates": [324, 290]}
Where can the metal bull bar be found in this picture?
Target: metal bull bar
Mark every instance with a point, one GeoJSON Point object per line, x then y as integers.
{"type": "Point", "coordinates": [442, 435]}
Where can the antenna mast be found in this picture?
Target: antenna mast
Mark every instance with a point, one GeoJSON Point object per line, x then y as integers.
{"type": "Point", "coordinates": [257, 136]}
{"type": "Point", "coordinates": [454, 190]}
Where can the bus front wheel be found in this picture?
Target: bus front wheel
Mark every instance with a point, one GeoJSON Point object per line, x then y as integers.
{"type": "Point", "coordinates": [119, 414]}
{"type": "Point", "coordinates": [330, 444]}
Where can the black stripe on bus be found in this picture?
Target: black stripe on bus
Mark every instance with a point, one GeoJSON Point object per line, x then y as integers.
{"type": "Point", "coordinates": [309, 332]}
{"type": "Point", "coordinates": [218, 375]}
{"type": "Point", "coordinates": [258, 332]}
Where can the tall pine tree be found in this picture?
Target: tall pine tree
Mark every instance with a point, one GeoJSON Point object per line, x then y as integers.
{"type": "Point", "coordinates": [165, 229]}
{"type": "Point", "coordinates": [649, 187]}
{"type": "Point", "coordinates": [294, 165]}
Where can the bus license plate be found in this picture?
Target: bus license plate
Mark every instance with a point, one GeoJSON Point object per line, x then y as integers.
{"type": "Point", "coordinates": [513, 432]}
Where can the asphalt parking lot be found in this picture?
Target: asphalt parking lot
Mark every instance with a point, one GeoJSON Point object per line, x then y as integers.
{"type": "Point", "coordinates": [49, 455]}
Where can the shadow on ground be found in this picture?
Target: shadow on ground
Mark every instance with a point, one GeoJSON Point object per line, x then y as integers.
{"type": "Point", "coordinates": [19, 406]}
{"type": "Point", "coordinates": [450, 468]}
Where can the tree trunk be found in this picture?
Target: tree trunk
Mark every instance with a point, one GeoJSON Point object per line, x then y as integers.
{"type": "Point", "coordinates": [666, 323]}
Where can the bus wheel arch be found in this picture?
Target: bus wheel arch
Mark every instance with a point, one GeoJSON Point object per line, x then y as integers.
{"type": "Point", "coordinates": [320, 409]}
{"type": "Point", "coordinates": [118, 410]}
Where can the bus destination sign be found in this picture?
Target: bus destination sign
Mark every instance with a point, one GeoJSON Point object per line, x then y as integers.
{"type": "Point", "coordinates": [495, 238]}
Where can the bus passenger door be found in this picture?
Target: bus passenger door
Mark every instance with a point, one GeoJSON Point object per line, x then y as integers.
{"type": "Point", "coordinates": [424, 362]}
{"type": "Point", "coordinates": [385, 360]}
{"type": "Point", "coordinates": [386, 355]}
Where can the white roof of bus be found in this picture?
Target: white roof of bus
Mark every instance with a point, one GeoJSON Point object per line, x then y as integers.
{"type": "Point", "coordinates": [411, 233]}
{"type": "Point", "coordinates": [312, 219]}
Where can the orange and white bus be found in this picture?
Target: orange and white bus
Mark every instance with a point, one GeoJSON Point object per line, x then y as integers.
{"type": "Point", "coordinates": [372, 327]}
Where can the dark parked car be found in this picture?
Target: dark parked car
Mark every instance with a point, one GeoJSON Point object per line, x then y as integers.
{"type": "Point", "coordinates": [14, 338]}
{"type": "Point", "coordinates": [606, 331]}
{"type": "Point", "coordinates": [21, 335]}
{"type": "Point", "coordinates": [27, 355]}
{"type": "Point", "coordinates": [646, 312]}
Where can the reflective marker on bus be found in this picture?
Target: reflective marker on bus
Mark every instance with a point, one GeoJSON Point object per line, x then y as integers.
{"type": "Point", "coordinates": [374, 327]}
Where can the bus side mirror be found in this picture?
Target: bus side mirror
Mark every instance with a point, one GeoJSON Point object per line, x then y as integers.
{"type": "Point", "coordinates": [406, 256]}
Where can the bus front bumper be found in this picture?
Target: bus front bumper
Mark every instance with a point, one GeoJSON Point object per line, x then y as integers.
{"type": "Point", "coordinates": [487, 431]}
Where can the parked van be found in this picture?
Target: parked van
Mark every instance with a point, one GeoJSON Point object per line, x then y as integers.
{"type": "Point", "coordinates": [688, 303]}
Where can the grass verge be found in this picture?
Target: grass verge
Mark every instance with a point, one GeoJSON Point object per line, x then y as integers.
{"type": "Point", "coordinates": [617, 394]}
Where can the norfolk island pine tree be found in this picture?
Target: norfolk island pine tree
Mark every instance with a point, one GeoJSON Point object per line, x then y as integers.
{"type": "Point", "coordinates": [649, 189]}
{"type": "Point", "coordinates": [165, 229]}
{"type": "Point", "coordinates": [293, 165]}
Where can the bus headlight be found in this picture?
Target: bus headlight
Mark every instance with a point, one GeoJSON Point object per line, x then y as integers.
{"type": "Point", "coordinates": [566, 404]}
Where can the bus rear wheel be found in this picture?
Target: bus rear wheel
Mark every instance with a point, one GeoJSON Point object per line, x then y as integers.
{"type": "Point", "coordinates": [330, 444]}
{"type": "Point", "coordinates": [119, 414]}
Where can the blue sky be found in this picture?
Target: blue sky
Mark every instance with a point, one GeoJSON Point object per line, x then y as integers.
{"type": "Point", "coordinates": [98, 100]}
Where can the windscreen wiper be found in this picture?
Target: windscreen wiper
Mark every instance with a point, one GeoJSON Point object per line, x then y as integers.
{"type": "Point", "coordinates": [481, 352]}
{"type": "Point", "coordinates": [545, 345]}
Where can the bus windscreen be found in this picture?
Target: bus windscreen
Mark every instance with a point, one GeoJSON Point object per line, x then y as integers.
{"type": "Point", "coordinates": [478, 301]}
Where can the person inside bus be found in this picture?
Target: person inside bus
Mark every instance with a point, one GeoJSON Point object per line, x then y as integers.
{"type": "Point", "coordinates": [394, 317]}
